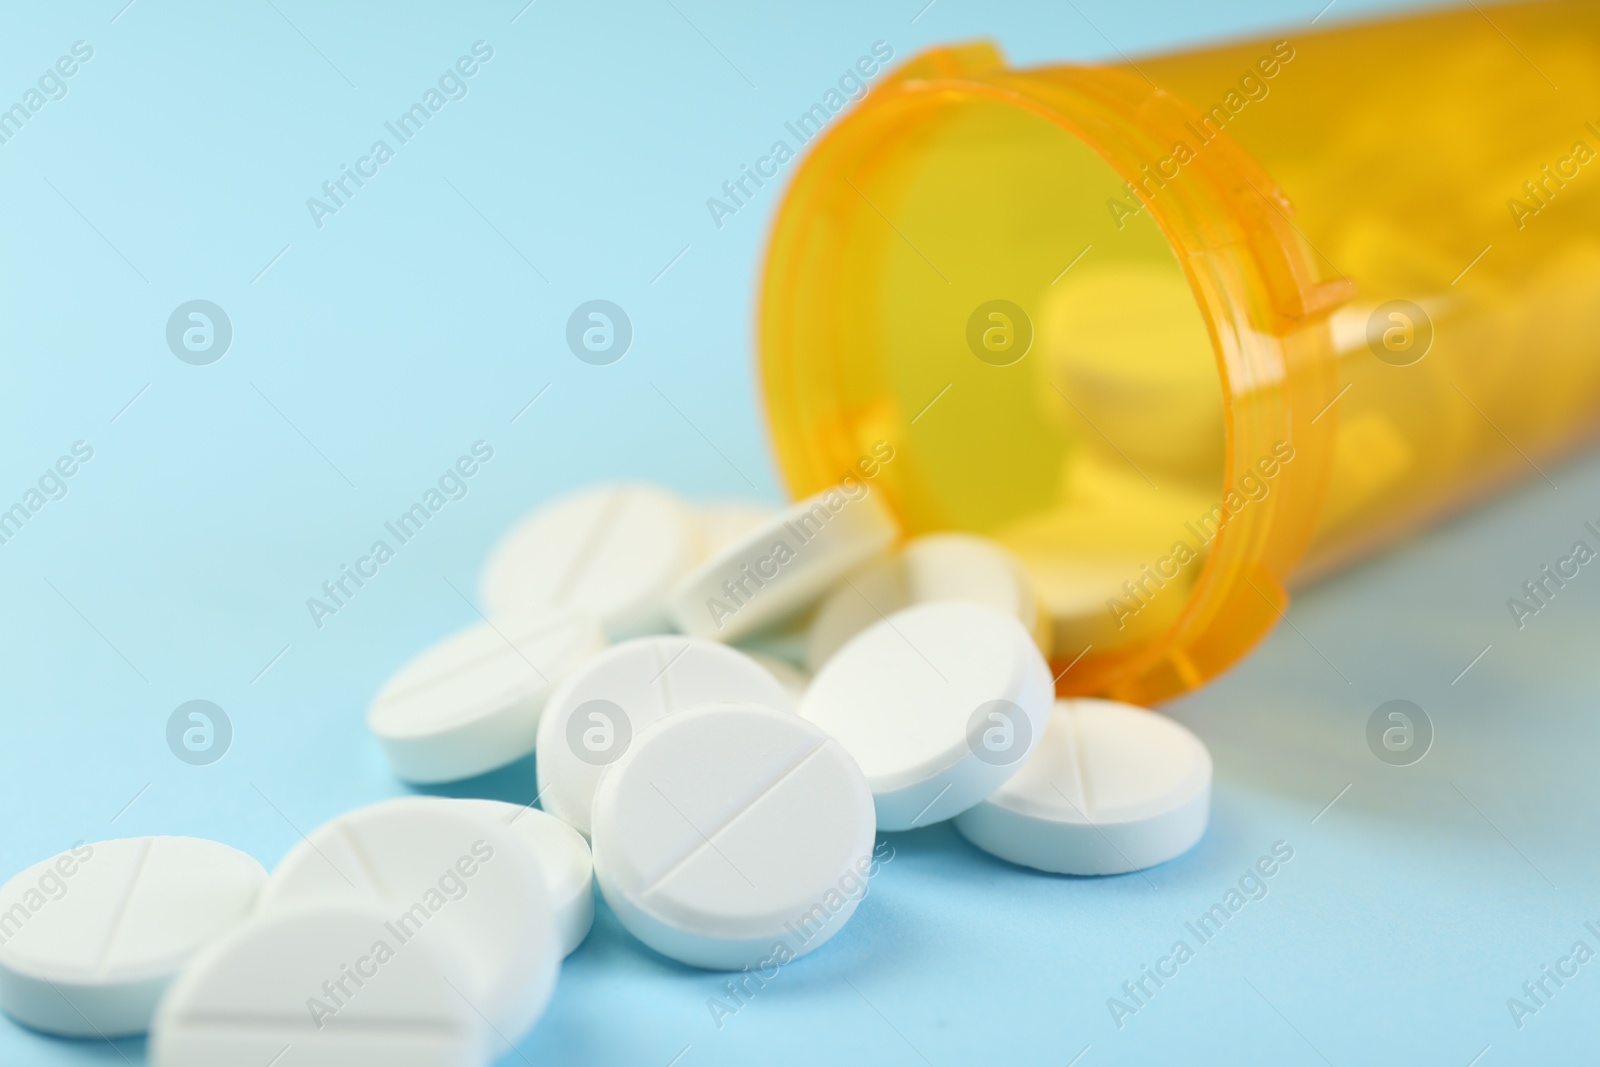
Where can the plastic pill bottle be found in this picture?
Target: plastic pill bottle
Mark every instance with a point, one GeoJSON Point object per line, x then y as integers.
{"type": "Point", "coordinates": [1185, 330]}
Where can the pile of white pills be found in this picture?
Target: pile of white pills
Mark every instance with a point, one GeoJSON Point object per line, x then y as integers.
{"type": "Point", "coordinates": [725, 800]}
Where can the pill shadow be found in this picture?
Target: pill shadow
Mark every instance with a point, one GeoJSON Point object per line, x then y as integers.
{"type": "Point", "coordinates": [53, 1047]}
{"type": "Point", "coordinates": [1501, 740]}
{"type": "Point", "coordinates": [941, 853]}
{"type": "Point", "coordinates": [1510, 710]}
{"type": "Point", "coordinates": [515, 783]}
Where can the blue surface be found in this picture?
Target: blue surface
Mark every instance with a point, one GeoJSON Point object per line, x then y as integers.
{"type": "Point", "coordinates": [423, 317]}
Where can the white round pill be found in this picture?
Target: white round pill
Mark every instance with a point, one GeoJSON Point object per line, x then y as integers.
{"type": "Point", "coordinates": [594, 715]}
{"type": "Point", "coordinates": [1111, 789]}
{"type": "Point", "coordinates": [447, 876]}
{"type": "Point", "coordinates": [90, 937]}
{"type": "Point", "coordinates": [563, 856]}
{"type": "Point", "coordinates": [733, 836]}
{"type": "Point", "coordinates": [945, 566]}
{"type": "Point", "coordinates": [938, 703]}
{"type": "Point", "coordinates": [472, 702]}
{"type": "Point", "coordinates": [783, 566]}
{"type": "Point", "coordinates": [328, 983]}
{"type": "Point", "coordinates": [611, 551]}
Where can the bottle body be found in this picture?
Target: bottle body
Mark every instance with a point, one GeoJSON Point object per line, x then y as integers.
{"type": "Point", "coordinates": [1457, 170]}
{"type": "Point", "coordinates": [1182, 330]}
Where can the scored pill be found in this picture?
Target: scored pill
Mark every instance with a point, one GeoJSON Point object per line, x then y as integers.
{"type": "Point", "coordinates": [1111, 789]}
{"type": "Point", "coordinates": [471, 703]}
{"type": "Point", "coordinates": [938, 703]}
{"type": "Point", "coordinates": [611, 551]}
{"type": "Point", "coordinates": [594, 715]}
{"type": "Point", "coordinates": [733, 836]}
{"type": "Point", "coordinates": [443, 875]}
{"type": "Point", "coordinates": [89, 938]}
{"type": "Point", "coordinates": [783, 566]}
{"type": "Point", "coordinates": [563, 857]}
{"type": "Point", "coordinates": [321, 984]}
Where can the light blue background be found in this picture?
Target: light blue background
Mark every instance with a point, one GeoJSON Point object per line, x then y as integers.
{"type": "Point", "coordinates": [415, 322]}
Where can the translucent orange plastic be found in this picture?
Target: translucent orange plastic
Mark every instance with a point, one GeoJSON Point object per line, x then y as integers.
{"type": "Point", "coordinates": [1181, 330]}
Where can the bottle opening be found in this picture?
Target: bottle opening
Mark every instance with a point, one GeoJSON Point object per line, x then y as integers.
{"type": "Point", "coordinates": [1003, 310]}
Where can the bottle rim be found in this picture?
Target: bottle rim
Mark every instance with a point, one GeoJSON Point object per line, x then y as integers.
{"type": "Point", "coordinates": [1257, 284]}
